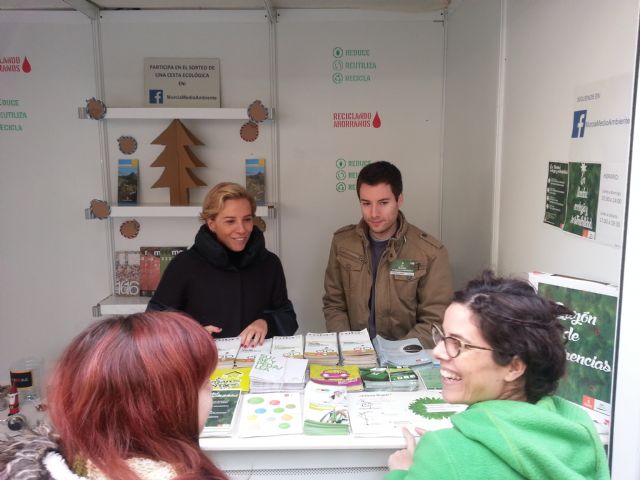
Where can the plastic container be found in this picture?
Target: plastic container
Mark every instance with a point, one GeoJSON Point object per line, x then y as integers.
{"type": "Point", "coordinates": [26, 375]}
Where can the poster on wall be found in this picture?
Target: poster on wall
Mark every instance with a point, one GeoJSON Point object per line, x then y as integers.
{"type": "Point", "coordinates": [599, 129]}
{"type": "Point", "coordinates": [582, 199]}
{"type": "Point", "coordinates": [590, 335]}
{"type": "Point", "coordinates": [182, 82]}
{"type": "Point", "coordinates": [556, 201]}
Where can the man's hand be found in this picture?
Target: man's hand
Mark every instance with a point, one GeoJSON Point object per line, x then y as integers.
{"type": "Point", "coordinates": [402, 459]}
{"type": "Point", "coordinates": [254, 334]}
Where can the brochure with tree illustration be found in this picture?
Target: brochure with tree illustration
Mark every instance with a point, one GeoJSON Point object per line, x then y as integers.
{"type": "Point", "coordinates": [383, 414]}
{"type": "Point", "coordinates": [590, 334]}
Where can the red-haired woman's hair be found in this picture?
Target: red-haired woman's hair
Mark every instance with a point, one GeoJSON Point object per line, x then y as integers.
{"type": "Point", "coordinates": [128, 387]}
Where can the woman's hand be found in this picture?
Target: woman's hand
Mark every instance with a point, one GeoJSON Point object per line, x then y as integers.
{"type": "Point", "coordinates": [254, 334]}
{"type": "Point", "coordinates": [212, 329]}
{"type": "Point", "coordinates": [402, 459]}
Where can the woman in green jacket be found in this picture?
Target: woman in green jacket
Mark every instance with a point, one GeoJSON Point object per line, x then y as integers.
{"type": "Point", "coordinates": [502, 353]}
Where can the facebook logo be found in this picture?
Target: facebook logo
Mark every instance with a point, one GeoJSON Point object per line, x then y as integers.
{"type": "Point", "coordinates": [579, 123]}
{"type": "Point", "coordinates": [156, 96]}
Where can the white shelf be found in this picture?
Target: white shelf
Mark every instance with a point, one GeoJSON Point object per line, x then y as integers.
{"type": "Point", "coordinates": [120, 305]}
{"type": "Point", "coordinates": [203, 113]}
{"type": "Point", "coordinates": [166, 211]}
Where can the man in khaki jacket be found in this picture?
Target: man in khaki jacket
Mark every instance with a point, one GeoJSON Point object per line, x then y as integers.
{"type": "Point", "coordinates": [384, 274]}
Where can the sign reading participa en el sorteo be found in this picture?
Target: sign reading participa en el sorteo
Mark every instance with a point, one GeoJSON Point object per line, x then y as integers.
{"type": "Point", "coordinates": [182, 82]}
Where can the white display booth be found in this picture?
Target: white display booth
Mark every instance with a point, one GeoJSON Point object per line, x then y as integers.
{"type": "Point", "coordinates": [471, 105]}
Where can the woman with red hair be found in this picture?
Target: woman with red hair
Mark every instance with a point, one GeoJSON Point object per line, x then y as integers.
{"type": "Point", "coordinates": [130, 396]}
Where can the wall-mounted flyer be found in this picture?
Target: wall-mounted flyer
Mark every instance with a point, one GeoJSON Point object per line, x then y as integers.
{"type": "Point", "coordinates": [590, 335]}
{"type": "Point", "coordinates": [182, 82]}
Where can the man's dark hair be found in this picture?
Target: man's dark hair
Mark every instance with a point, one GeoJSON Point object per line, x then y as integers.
{"type": "Point", "coordinates": [381, 172]}
{"type": "Point", "coordinates": [516, 321]}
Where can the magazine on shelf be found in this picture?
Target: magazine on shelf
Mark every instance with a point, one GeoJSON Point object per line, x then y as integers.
{"type": "Point", "coordinates": [153, 263]}
{"type": "Point", "coordinates": [255, 171]}
{"type": "Point", "coordinates": [127, 273]}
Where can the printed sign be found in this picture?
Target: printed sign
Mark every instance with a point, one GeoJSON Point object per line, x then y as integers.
{"type": "Point", "coordinates": [182, 82]}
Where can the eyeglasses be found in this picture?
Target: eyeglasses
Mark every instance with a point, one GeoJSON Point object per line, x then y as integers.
{"type": "Point", "coordinates": [452, 345]}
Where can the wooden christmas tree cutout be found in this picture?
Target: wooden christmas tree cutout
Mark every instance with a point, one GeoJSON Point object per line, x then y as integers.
{"type": "Point", "coordinates": [177, 160]}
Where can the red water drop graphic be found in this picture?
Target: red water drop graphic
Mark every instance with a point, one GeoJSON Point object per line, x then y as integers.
{"type": "Point", "coordinates": [376, 121]}
{"type": "Point", "coordinates": [26, 66]}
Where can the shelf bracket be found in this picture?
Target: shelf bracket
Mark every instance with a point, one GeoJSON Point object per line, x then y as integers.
{"type": "Point", "coordinates": [87, 8]}
{"type": "Point", "coordinates": [272, 15]}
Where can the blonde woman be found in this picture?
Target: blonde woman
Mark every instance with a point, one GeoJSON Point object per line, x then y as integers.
{"type": "Point", "coordinates": [228, 281]}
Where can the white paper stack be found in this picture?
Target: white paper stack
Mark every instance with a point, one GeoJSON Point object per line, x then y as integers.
{"type": "Point", "coordinates": [273, 373]}
{"type": "Point", "coordinates": [227, 351]}
{"type": "Point", "coordinates": [246, 356]}
{"type": "Point", "coordinates": [322, 348]}
{"type": "Point", "coordinates": [356, 349]}
{"type": "Point", "coordinates": [400, 353]}
{"type": "Point", "coordinates": [292, 347]}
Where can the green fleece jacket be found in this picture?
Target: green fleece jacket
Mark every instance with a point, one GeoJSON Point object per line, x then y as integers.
{"type": "Point", "coordinates": [504, 439]}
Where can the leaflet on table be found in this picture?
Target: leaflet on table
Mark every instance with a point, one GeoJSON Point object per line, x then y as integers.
{"type": "Point", "coordinates": [227, 351]}
{"type": "Point", "coordinates": [266, 414]}
{"type": "Point", "coordinates": [345, 375]}
{"type": "Point", "coordinates": [224, 404]}
{"type": "Point", "coordinates": [356, 348]}
{"type": "Point", "coordinates": [326, 411]}
{"type": "Point", "coordinates": [400, 353]}
{"type": "Point", "coordinates": [231, 378]}
{"type": "Point", "coordinates": [291, 346]}
{"type": "Point", "coordinates": [374, 414]}
{"type": "Point", "coordinates": [272, 373]}
{"type": "Point", "coordinates": [321, 345]}
{"type": "Point", "coordinates": [247, 355]}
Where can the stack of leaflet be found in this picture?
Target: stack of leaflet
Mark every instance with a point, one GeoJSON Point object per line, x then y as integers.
{"type": "Point", "coordinates": [400, 353]}
{"type": "Point", "coordinates": [326, 411]}
{"type": "Point", "coordinates": [356, 349]}
{"type": "Point", "coordinates": [273, 373]}
{"type": "Point", "coordinates": [227, 351]}
{"type": "Point", "coordinates": [322, 348]}
{"type": "Point", "coordinates": [430, 375]}
{"type": "Point", "coordinates": [224, 404]}
{"type": "Point", "coordinates": [292, 347]}
{"type": "Point", "coordinates": [246, 356]}
{"type": "Point", "coordinates": [230, 379]}
{"type": "Point", "coordinates": [344, 376]}
{"type": "Point", "coordinates": [389, 379]}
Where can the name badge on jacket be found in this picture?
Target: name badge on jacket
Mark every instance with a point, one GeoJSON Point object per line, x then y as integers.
{"type": "Point", "coordinates": [405, 268]}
